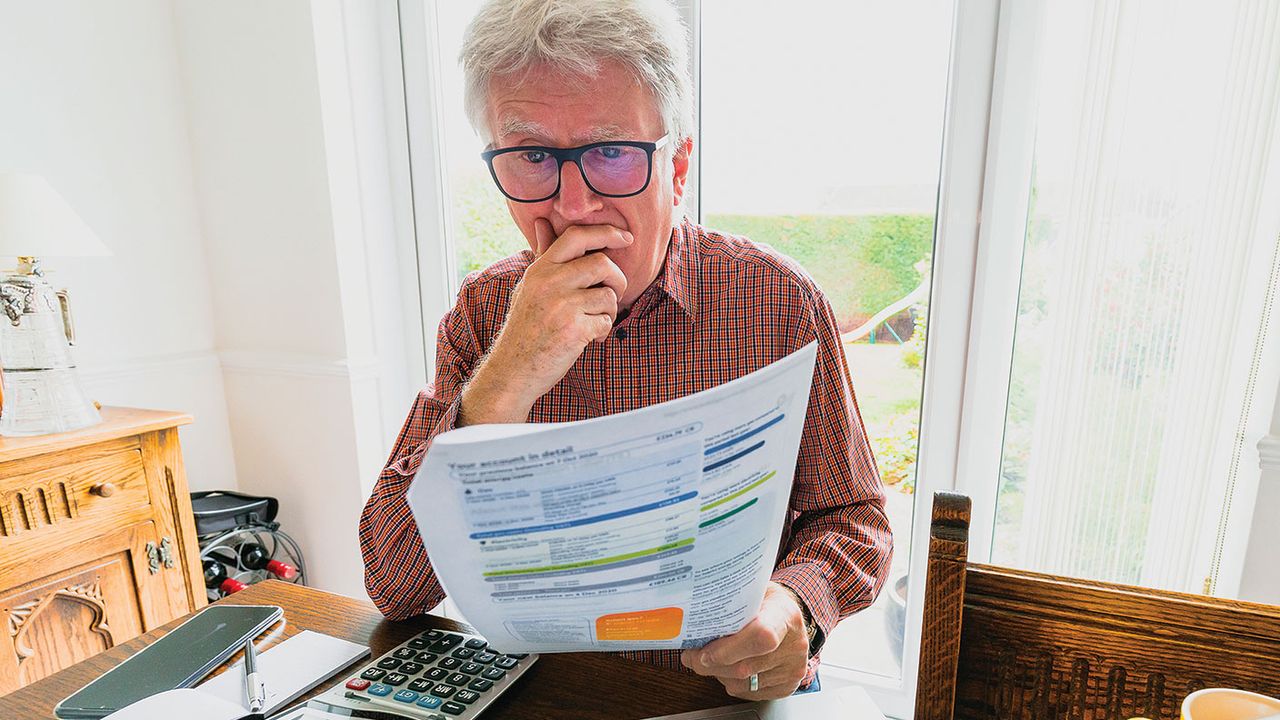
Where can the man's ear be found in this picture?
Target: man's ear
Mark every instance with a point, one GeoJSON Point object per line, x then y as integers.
{"type": "Point", "coordinates": [680, 165]}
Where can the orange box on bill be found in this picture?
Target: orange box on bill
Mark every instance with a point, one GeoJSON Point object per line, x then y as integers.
{"type": "Point", "coordinates": [656, 624]}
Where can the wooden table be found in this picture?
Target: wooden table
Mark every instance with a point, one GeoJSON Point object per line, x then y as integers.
{"type": "Point", "coordinates": [575, 685]}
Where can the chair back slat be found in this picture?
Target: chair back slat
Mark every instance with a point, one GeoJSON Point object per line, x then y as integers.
{"type": "Point", "coordinates": [1030, 646]}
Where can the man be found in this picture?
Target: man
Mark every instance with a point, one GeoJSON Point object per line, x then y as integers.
{"type": "Point", "coordinates": [621, 303]}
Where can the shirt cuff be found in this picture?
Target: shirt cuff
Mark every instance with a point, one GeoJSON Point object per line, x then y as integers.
{"type": "Point", "coordinates": [407, 465]}
{"type": "Point", "coordinates": [809, 583]}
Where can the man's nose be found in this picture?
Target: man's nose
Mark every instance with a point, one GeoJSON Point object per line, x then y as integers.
{"type": "Point", "coordinates": [575, 199]}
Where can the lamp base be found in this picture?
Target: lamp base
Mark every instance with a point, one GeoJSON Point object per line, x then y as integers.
{"type": "Point", "coordinates": [39, 402]}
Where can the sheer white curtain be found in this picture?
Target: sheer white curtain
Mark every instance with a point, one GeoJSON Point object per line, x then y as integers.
{"type": "Point", "coordinates": [1140, 306]}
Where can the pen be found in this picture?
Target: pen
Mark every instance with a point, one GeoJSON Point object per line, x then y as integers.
{"type": "Point", "coordinates": [254, 689]}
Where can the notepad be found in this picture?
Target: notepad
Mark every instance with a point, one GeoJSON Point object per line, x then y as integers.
{"type": "Point", "coordinates": [288, 669]}
{"type": "Point", "coordinates": [182, 703]}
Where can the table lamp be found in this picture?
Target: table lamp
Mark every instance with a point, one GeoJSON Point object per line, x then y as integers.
{"type": "Point", "coordinates": [41, 390]}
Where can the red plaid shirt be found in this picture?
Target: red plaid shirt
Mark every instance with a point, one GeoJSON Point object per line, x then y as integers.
{"type": "Point", "coordinates": [721, 307]}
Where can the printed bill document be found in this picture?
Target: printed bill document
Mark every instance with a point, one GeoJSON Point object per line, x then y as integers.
{"type": "Point", "coordinates": [655, 528]}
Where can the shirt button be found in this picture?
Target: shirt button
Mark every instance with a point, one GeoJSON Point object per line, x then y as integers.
{"type": "Point", "coordinates": [620, 333]}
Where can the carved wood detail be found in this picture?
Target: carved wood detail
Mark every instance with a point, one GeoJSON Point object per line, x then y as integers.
{"type": "Point", "coordinates": [73, 574]}
{"type": "Point", "coordinates": [88, 594]}
{"type": "Point", "coordinates": [1017, 645]}
{"type": "Point", "coordinates": [37, 505]}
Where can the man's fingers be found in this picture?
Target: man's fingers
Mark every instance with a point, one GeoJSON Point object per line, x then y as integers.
{"type": "Point", "coordinates": [774, 684]}
{"type": "Point", "coordinates": [599, 269]}
{"type": "Point", "coordinates": [599, 301]}
{"type": "Point", "coordinates": [578, 240]}
{"type": "Point", "coordinates": [761, 636]}
{"type": "Point", "coordinates": [742, 669]}
{"type": "Point", "coordinates": [544, 234]}
{"type": "Point", "coordinates": [600, 324]}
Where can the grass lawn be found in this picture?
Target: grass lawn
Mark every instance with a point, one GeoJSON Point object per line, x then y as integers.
{"type": "Point", "coordinates": [888, 395]}
{"type": "Point", "coordinates": [884, 386]}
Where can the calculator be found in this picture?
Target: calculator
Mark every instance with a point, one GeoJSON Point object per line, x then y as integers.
{"type": "Point", "coordinates": [437, 675]}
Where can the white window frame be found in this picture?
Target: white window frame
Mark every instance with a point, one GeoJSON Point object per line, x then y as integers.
{"type": "Point", "coordinates": [980, 224]}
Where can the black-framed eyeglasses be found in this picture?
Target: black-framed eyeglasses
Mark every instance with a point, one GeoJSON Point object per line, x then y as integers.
{"type": "Point", "coordinates": [616, 168]}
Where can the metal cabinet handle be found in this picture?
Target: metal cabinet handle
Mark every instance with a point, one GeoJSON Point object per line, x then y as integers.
{"type": "Point", "coordinates": [153, 558]}
{"type": "Point", "coordinates": [166, 552]}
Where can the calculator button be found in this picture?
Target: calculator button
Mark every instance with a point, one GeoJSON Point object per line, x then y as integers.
{"type": "Point", "coordinates": [506, 663]}
{"type": "Point", "coordinates": [389, 663]}
{"type": "Point", "coordinates": [454, 708]}
{"type": "Point", "coordinates": [411, 668]}
{"type": "Point", "coordinates": [480, 684]}
{"type": "Point", "coordinates": [357, 684]}
{"type": "Point", "coordinates": [493, 673]}
{"type": "Point", "coordinates": [380, 690]}
{"type": "Point", "coordinates": [484, 658]}
{"type": "Point", "coordinates": [443, 691]}
{"type": "Point", "coordinates": [466, 696]}
{"type": "Point", "coordinates": [476, 644]}
{"type": "Point", "coordinates": [403, 653]}
{"type": "Point", "coordinates": [471, 668]}
{"type": "Point", "coordinates": [426, 658]}
{"type": "Point", "coordinates": [436, 673]}
{"type": "Point", "coordinates": [450, 663]}
{"type": "Point", "coordinates": [395, 679]}
{"type": "Point", "coordinates": [374, 674]}
{"type": "Point", "coordinates": [432, 635]}
{"type": "Point", "coordinates": [418, 643]}
{"type": "Point", "coordinates": [458, 679]}
{"type": "Point", "coordinates": [421, 685]}
{"type": "Point", "coordinates": [429, 702]}
{"type": "Point", "coordinates": [465, 653]}
{"type": "Point", "coordinates": [406, 696]}
{"type": "Point", "coordinates": [518, 656]}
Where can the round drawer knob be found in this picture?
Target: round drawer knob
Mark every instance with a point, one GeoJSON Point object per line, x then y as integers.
{"type": "Point", "coordinates": [103, 489]}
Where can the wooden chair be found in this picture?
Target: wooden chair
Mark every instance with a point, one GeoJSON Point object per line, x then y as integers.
{"type": "Point", "coordinates": [1012, 645]}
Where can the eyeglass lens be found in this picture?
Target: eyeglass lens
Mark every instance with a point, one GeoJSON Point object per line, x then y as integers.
{"type": "Point", "coordinates": [608, 169]}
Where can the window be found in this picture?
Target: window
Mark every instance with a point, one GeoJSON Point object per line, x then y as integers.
{"type": "Point", "coordinates": [820, 132]}
{"type": "Point", "coordinates": [1101, 298]}
{"type": "Point", "coordinates": [1146, 261]}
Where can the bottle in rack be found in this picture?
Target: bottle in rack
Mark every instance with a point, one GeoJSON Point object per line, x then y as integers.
{"type": "Point", "coordinates": [256, 557]}
{"type": "Point", "coordinates": [253, 556]}
{"type": "Point", "coordinates": [214, 572]}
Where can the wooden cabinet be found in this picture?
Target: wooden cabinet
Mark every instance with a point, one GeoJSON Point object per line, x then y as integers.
{"type": "Point", "coordinates": [97, 541]}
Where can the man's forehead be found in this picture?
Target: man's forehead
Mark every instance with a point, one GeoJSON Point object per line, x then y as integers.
{"type": "Point", "coordinates": [511, 125]}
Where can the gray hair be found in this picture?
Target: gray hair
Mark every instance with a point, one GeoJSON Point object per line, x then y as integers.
{"type": "Point", "coordinates": [573, 36]}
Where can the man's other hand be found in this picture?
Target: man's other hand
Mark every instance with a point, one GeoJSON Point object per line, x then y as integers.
{"type": "Point", "coordinates": [774, 645]}
{"type": "Point", "coordinates": [567, 298]}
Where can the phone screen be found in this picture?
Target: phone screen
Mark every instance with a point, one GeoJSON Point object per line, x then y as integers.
{"type": "Point", "coordinates": [179, 659]}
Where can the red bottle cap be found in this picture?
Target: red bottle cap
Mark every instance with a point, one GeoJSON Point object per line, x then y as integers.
{"type": "Point", "coordinates": [282, 570]}
{"type": "Point", "coordinates": [231, 585]}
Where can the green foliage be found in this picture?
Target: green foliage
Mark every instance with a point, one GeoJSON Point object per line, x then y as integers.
{"type": "Point", "coordinates": [894, 443]}
{"type": "Point", "coordinates": [862, 262]}
{"type": "Point", "coordinates": [482, 228]}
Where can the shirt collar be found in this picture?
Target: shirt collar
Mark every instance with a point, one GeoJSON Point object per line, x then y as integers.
{"type": "Point", "coordinates": [679, 278]}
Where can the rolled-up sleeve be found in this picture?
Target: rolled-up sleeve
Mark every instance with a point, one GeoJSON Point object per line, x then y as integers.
{"type": "Point", "coordinates": [398, 574]}
{"type": "Point", "coordinates": [836, 554]}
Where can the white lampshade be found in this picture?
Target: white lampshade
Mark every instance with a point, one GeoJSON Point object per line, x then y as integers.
{"type": "Point", "coordinates": [35, 221]}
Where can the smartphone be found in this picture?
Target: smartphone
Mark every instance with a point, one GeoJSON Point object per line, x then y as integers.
{"type": "Point", "coordinates": [178, 660]}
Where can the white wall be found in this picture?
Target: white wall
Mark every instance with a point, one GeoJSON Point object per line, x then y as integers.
{"type": "Point", "coordinates": [307, 300]}
{"type": "Point", "coordinates": [93, 102]}
{"type": "Point", "coordinates": [238, 159]}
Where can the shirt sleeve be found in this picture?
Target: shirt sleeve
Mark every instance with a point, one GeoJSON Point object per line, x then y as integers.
{"type": "Point", "coordinates": [398, 574]}
{"type": "Point", "coordinates": [836, 554]}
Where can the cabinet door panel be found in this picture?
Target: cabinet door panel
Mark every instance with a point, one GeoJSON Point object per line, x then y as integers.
{"type": "Point", "coordinates": [81, 608]}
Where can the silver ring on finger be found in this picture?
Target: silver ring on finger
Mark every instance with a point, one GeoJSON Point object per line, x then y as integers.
{"type": "Point", "coordinates": [755, 682]}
